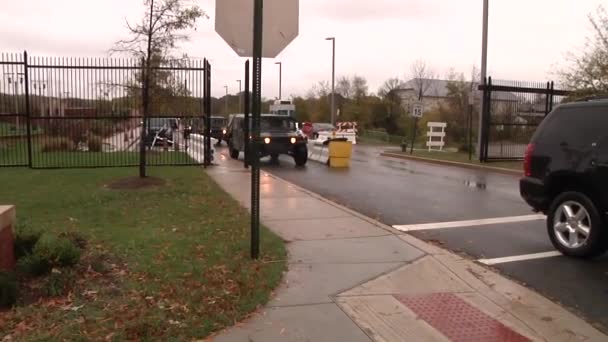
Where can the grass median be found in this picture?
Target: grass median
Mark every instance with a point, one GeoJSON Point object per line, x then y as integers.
{"type": "Point", "coordinates": [459, 157]}
{"type": "Point", "coordinates": [176, 255]}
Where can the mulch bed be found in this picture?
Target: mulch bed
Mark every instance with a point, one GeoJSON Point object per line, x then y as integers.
{"type": "Point", "coordinates": [136, 183]}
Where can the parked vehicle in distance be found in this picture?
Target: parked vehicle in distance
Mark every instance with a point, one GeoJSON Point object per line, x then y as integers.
{"type": "Point", "coordinates": [218, 128]}
{"type": "Point", "coordinates": [566, 176]}
{"type": "Point", "coordinates": [278, 136]}
{"type": "Point", "coordinates": [160, 131]}
{"type": "Point", "coordinates": [318, 127]}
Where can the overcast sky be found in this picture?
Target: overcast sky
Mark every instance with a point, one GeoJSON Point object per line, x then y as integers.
{"type": "Point", "coordinates": [376, 39]}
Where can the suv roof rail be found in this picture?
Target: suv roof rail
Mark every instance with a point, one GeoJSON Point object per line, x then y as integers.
{"type": "Point", "coordinates": [592, 98]}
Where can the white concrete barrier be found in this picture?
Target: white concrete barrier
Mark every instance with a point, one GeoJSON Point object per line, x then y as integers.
{"type": "Point", "coordinates": [198, 152]}
{"type": "Point", "coordinates": [318, 152]}
{"type": "Point", "coordinates": [349, 135]}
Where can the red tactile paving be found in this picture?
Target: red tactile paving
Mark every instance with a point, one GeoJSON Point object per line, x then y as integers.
{"type": "Point", "coordinates": [458, 320]}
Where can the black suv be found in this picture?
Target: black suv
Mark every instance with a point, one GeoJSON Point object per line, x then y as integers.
{"type": "Point", "coordinates": [566, 176]}
{"type": "Point", "coordinates": [278, 135]}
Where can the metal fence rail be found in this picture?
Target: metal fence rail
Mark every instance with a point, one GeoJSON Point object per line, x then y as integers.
{"type": "Point", "coordinates": [88, 112]}
{"type": "Point", "coordinates": [512, 112]}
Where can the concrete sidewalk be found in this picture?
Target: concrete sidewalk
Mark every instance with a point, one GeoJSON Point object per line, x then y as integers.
{"type": "Point", "coordinates": [351, 278]}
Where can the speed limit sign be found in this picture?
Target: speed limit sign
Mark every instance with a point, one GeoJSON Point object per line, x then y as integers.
{"type": "Point", "coordinates": [417, 110]}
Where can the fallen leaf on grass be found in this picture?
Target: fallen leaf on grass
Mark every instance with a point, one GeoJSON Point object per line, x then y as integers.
{"type": "Point", "coordinates": [72, 308]}
{"type": "Point", "coordinates": [21, 328]}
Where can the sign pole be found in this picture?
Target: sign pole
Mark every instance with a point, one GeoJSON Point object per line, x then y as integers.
{"type": "Point", "coordinates": [414, 135]}
{"type": "Point", "coordinates": [258, 21]}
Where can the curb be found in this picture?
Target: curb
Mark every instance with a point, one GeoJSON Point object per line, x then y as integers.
{"type": "Point", "coordinates": [453, 163]}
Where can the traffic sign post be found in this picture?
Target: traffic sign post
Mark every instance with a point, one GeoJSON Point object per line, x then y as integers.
{"type": "Point", "coordinates": [417, 112]}
{"type": "Point", "coordinates": [241, 24]}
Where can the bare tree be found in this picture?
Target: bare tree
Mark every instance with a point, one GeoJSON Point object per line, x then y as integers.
{"type": "Point", "coordinates": [423, 77]}
{"type": "Point", "coordinates": [389, 86]}
{"type": "Point", "coordinates": [360, 88]}
{"type": "Point", "coordinates": [153, 39]}
{"type": "Point", "coordinates": [588, 71]}
{"type": "Point", "coordinates": [318, 90]}
{"type": "Point", "coordinates": [345, 87]}
{"type": "Point", "coordinates": [162, 27]}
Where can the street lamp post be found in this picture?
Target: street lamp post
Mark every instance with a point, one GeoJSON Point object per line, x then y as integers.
{"type": "Point", "coordinates": [280, 78]}
{"type": "Point", "coordinates": [484, 70]}
{"type": "Point", "coordinates": [240, 96]}
{"type": "Point", "coordinates": [226, 100]}
{"type": "Point", "coordinates": [333, 80]}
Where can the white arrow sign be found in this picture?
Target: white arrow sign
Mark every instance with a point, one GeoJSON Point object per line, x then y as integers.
{"type": "Point", "coordinates": [234, 23]}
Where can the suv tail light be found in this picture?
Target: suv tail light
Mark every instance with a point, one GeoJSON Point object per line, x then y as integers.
{"type": "Point", "coordinates": [528, 160]}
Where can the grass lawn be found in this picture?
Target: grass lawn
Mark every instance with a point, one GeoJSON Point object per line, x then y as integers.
{"type": "Point", "coordinates": [462, 157]}
{"type": "Point", "coordinates": [15, 153]}
{"type": "Point", "coordinates": [9, 129]}
{"type": "Point", "coordinates": [177, 256]}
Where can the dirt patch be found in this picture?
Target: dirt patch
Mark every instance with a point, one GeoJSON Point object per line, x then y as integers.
{"type": "Point", "coordinates": [136, 183]}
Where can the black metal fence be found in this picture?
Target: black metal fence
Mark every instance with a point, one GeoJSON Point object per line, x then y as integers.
{"type": "Point", "coordinates": [512, 112]}
{"type": "Point", "coordinates": [79, 112]}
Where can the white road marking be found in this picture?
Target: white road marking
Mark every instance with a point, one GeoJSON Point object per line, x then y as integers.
{"type": "Point", "coordinates": [468, 223]}
{"type": "Point", "coordinates": [504, 260]}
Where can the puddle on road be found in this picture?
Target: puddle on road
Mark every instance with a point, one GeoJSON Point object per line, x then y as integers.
{"type": "Point", "coordinates": [402, 166]}
{"type": "Point", "coordinates": [475, 185]}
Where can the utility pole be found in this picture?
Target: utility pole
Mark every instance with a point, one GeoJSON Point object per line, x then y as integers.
{"type": "Point", "coordinates": [333, 80]}
{"type": "Point", "coordinates": [226, 100]}
{"type": "Point", "coordinates": [280, 64]}
{"type": "Point", "coordinates": [240, 96]}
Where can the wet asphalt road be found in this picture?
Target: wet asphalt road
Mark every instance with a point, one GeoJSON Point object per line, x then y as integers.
{"type": "Point", "coordinates": [401, 192]}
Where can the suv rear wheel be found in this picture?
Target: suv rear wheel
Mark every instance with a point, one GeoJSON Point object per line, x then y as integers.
{"type": "Point", "coordinates": [575, 226]}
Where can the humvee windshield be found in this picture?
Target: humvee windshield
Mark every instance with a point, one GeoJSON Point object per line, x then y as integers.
{"type": "Point", "coordinates": [277, 123]}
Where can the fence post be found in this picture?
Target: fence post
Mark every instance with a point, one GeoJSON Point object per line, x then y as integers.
{"type": "Point", "coordinates": [551, 98]}
{"type": "Point", "coordinates": [547, 94]}
{"type": "Point", "coordinates": [485, 118]}
{"type": "Point", "coordinates": [27, 109]}
{"type": "Point", "coordinates": [207, 109]}
{"type": "Point", "coordinates": [247, 111]}
{"type": "Point", "coordinates": [142, 146]}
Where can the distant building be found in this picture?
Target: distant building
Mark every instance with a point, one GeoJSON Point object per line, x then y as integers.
{"type": "Point", "coordinates": [435, 93]}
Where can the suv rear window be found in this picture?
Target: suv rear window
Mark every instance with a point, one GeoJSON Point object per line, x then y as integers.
{"type": "Point", "coordinates": [576, 126]}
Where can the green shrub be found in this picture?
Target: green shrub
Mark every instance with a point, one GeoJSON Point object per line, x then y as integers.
{"type": "Point", "coordinates": [25, 240]}
{"type": "Point", "coordinates": [34, 265]}
{"type": "Point", "coordinates": [59, 251]}
{"type": "Point", "coordinates": [58, 144]}
{"type": "Point", "coordinates": [95, 143]}
{"type": "Point", "coordinates": [58, 284]}
{"type": "Point", "coordinates": [8, 290]}
{"type": "Point", "coordinates": [76, 238]}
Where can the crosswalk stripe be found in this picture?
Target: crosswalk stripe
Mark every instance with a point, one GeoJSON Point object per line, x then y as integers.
{"type": "Point", "coordinates": [468, 223]}
{"type": "Point", "coordinates": [523, 257]}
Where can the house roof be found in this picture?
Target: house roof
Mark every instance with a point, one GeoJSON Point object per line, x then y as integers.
{"type": "Point", "coordinates": [439, 88]}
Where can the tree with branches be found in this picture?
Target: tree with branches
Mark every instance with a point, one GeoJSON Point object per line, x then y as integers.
{"type": "Point", "coordinates": [423, 77]}
{"type": "Point", "coordinates": [153, 39]}
{"type": "Point", "coordinates": [588, 71]}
